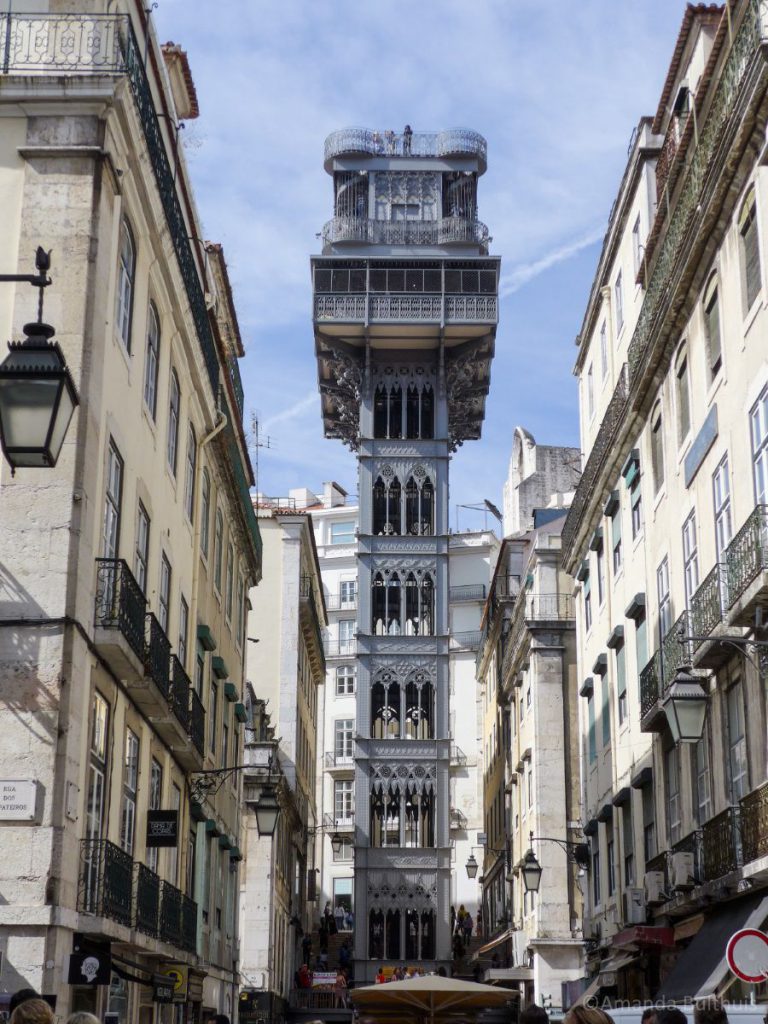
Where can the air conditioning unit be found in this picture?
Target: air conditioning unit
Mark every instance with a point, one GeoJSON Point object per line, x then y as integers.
{"type": "Point", "coordinates": [654, 887]}
{"type": "Point", "coordinates": [634, 906]}
{"type": "Point", "coordinates": [681, 871]}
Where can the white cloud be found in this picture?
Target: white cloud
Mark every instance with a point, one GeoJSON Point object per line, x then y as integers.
{"type": "Point", "coordinates": [520, 275]}
{"type": "Point", "coordinates": [292, 412]}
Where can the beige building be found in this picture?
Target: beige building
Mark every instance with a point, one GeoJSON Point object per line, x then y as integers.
{"type": "Point", "coordinates": [125, 567]}
{"type": "Point", "coordinates": [526, 668]}
{"type": "Point", "coordinates": [667, 533]}
{"type": "Point", "coordinates": [286, 668]}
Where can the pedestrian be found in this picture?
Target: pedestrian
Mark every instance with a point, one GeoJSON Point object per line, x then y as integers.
{"type": "Point", "coordinates": [649, 1015]}
{"type": "Point", "coordinates": [322, 961]}
{"type": "Point", "coordinates": [306, 948]}
{"type": "Point", "coordinates": [82, 1017]}
{"type": "Point", "coordinates": [339, 916]}
{"type": "Point", "coordinates": [33, 1011]}
{"type": "Point", "coordinates": [344, 955]}
{"type": "Point", "coordinates": [380, 977]}
{"type": "Point", "coordinates": [467, 926]}
{"type": "Point", "coordinates": [323, 935]}
{"type": "Point", "coordinates": [710, 1011]}
{"type": "Point", "coordinates": [389, 139]}
{"type": "Point", "coordinates": [21, 997]}
{"type": "Point", "coordinates": [340, 989]}
{"type": "Point", "coordinates": [453, 919]}
{"type": "Point", "coordinates": [587, 1015]}
{"type": "Point", "coordinates": [407, 137]}
{"type": "Point", "coordinates": [670, 1015]}
{"type": "Point", "coordinates": [304, 978]}
{"type": "Point", "coordinates": [534, 1014]}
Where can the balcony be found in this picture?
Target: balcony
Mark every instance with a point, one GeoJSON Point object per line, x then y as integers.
{"type": "Point", "coordinates": [746, 560]}
{"type": "Point", "coordinates": [342, 763]}
{"type": "Point", "coordinates": [392, 308]}
{"type": "Point", "coordinates": [453, 142]}
{"type": "Point", "coordinates": [106, 881]}
{"type": "Point", "coordinates": [157, 656]}
{"type": "Point", "coordinates": [178, 697]}
{"type": "Point", "coordinates": [469, 640]}
{"type": "Point", "coordinates": [458, 820]}
{"type": "Point", "coordinates": [341, 602]}
{"type": "Point", "coordinates": [506, 587]}
{"type": "Point", "coordinates": [340, 648]}
{"type": "Point", "coordinates": [345, 824]}
{"type": "Point", "coordinates": [311, 623]}
{"type": "Point", "coordinates": [119, 611]}
{"type": "Point", "coordinates": [707, 612]}
{"type": "Point", "coordinates": [651, 714]}
{"type": "Point", "coordinates": [197, 722]}
{"type": "Point", "coordinates": [446, 231]}
{"type": "Point", "coordinates": [722, 844]}
{"type": "Point", "coordinates": [457, 756]}
{"type": "Point", "coordinates": [147, 901]}
{"type": "Point", "coordinates": [467, 592]}
{"type": "Point", "coordinates": [674, 655]}
{"type": "Point", "coordinates": [754, 824]}
{"type": "Point", "coordinates": [178, 918]}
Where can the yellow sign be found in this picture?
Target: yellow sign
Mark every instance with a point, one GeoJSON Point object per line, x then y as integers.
{"type": "Point", "coordinates": [179, 974]}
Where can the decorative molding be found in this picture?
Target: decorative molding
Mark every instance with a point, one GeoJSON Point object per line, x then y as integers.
{"type": "Point", "coordinates": [398, 644]}
{"type": "Point", "coordinates": [397, 750]}
{"type": "Point", "coordinates": [344, 391]}
{"type": "Point", "coordinates": [395, 858]}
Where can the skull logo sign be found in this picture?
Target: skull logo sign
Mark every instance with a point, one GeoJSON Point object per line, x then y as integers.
{"type": "Point", "coordinates": [89, 968]}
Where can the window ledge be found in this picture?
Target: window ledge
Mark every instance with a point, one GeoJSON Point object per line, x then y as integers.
{"type": "Point", "coordinates": [751, 315]}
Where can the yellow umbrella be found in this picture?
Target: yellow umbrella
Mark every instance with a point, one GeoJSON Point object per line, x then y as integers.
{"type": "Point", "coordinates": [430, 998]}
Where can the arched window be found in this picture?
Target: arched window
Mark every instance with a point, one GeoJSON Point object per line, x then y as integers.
{"type": "Point", "coordinates": [657, 448]}
{"type": "Point", "coordinates": [174, 402]}
{"type": "Point", "coordinates": [419, 506]}
{"type": "Point", "coordinates": [712, 326]}
{"type": "Point", "coordinates": [126, 275]}
{"type": "Point", "coordinates": [218, 553]}
{"type": "Point", "coordinates": [412, 935]}
{"type": "Point", "coordinates": [376, 934]}
{"type": "Point", "coordinates": [388, 411]}
{"type": "Point", "coordinates": [427, 412]}
{"type": "Point", "coordinates": [427, 935]}
{"type": "Point", "coordinates": [750, 249]}
{"type": "Point", "coordinates": [385, 816]}
{"type": "Point", "coordinates": [230, 582]}
{"type": "Point", "coordinates": [385, 707]}
{"type": "Point", "coordinates": [419, 708]}
{"type": "Point", "coordinates": [189, 481]}
{"type": "Point", "coordinates": [152, 364]}
{"type": "Point", "coordinates": [419, 605]}
{"type": "Point", "coordinates": [386, 507]}
{"type": "Point", "coordinates": [205, 513]}
{"type": "Point", "coordinates": [385, 605]}
{"type": "Point", "coordinates": [393, 934]}
{"type": "Point", "coordinates": [420, 412]}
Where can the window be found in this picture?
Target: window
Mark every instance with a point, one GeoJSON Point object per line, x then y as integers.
{"type": "Point", "coordinates": [218, 550]}
{"type": "Point", "coordinates": [189, 482]}
{"type": "Point", "coordinates": [610, 856]}
{"type": "Point", "coordinates": [683, 397]}
{"type": "Point", "coordinates": [621, 684]}
{"type": "Point", "coordinates": [142, 547]}
{"type": "Point", "coordinates": [712, 327]}
{"type": "Point", "coordinates": [94, 814]}
{"type": "Point", "coordinates": [637, 247]}
{"type": "Point", "coordinates": [347, 593]}
{"type": "Point", "coordinates": [628, 843]}
{"type": "Point", "coordinates": [224, 744]}
{"type": "Point", "coordinates": [636, 505]}
{"type": "Point", "coordinates": [587, 592]}
{"type": "Point", "coordinates": [590, 393]}
{"type": "Point", "coordinates": [657, 449]}
{"type": "Point", "coordinates": [130, 786]}
{"type": "Point", "coordinates": [649, 824]}
{"type": "Point", "coordinates": [345, 680]}
{"type": "Point", "coordinates": [672, 794]}
{"type": "Point", "coordinates": [155, 803]}
{"type": "Point", "coordinates": [173, 852]}
{"type": "Point", "coordinates": [205, 513]}
{"type": "Point", "coordinates": [600, 559]}
{"type": "Point", "coordinates": [240, 628]}
{"type": "Point", "coordinates": [344, 737]}
{"type": "Point", "coordinates": [596, 873]}
{"type": "Point", "coordinates": [113, 501]}
{"type": "Point", "coordinates": [737, 742]}
{"type": "Point", "coordinates": [758, 419]}
{"type": "Point", "coordinates": [605, 710]}
{"type": "Point", "coordinates": [530, 787]}
{"type": "Point", "coordinates": [126, 273]}
{"type": "Point", "coordinates": [721, 502]}
{"type": "Point", "coordinates": [174, 402]}
{"type": "Point", "coordinates": [230, 581]}
{"type": "Point", "coordinates": [183, 632]}
{"type": "Point", "coordinates": [665, 603]}
{"type": "Point", "coordinates": [690, 558]}
{"type": "Point", "coordinates": [701, 779]}
{"type": "Point", "coordinates": [164, 594]}
{"type": "Point", "coordinates": [213, 713]}
{"type": "Point", "coordinates": [347, 631]}
{"type": "Point", "coordinates": [152, 364]}
{"type": "Point", "coordinates": [343, 533]}
{"type": "Point", "coordinates": [641, 643]}
{"type": "Point", "coordinates": [618, 293]}
{"type": "Point", "coordinates": [604, 350]}
{"type": "Point", "coordinates": [345, 850]}
{"type": "Point", "coordinates": [344, 801]}
{"type": "Point", "coordinates": [616, 539]}
{"type": "Point", "coordinates": [750, 250]}
{"type": "Point", "coordinates": [591, 737]}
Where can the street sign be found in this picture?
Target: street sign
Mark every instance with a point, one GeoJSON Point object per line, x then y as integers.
{"type": "Point", "coordinates": [162, 828]}
{"type": "Point", "coordinates": [747, 955]}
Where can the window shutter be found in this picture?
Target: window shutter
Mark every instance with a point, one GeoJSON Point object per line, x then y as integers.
{"type": "Point", "coordinates": [751, 259]}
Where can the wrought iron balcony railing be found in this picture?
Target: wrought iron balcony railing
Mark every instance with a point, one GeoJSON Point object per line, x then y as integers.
{"type": "Point", "coordinates": [178, 697]}
{"type": "Point", "coordinates": [334, 760]}
{"type": "Point", "coordinates": [196, 722]}
{"type": "Point", "coordinates": [364, 141]}
{"type": "Point", "coordinates": [85, 44]}
{"type": "Point", "coordinates": [157, 655]}
{"type": "Point", "coordinates": [458, 818]}
{"type": "Point", "coordinates": [106, 881]}
{"type": "Point", "coordinates": [506, 586]}
{"type": "Point", "coordinates": [708, 604]}
{"type": "Point", "coordinates": [469, 640]}
{"type": "Point", "coordinates": [188, 924]}
{"type": "Point", "coordinates": [340, 648]}
{"type": "Point", "coordinates": [446, 231]}
{"type": "Point", "coordinates": [650, 684]}
{"type": "Point", "coordinates": [178, 918]}
{"type": "Point", "coordinates": [674, 655]}
{"type": "Point", "coordinates": [341, 601]}
{"type": "Point", "coordinates": [147, 901]}
{"type": "Point", "coordinates": [722, 843]}
{"type": "Point", "coordinates": [120, 603]}
{"type": "Point", "coordinates": [458, 757]}
{"type": "Point", "coordinates": [747, 554]}
{"type": "Point", "coordinates": [754, 823]}
{"type": "Point", "coordinates": [339, 824]}
{"type": "Point", "coordinates": [467, 592]}
{"type": "Point", "coordinates": [403, 308]}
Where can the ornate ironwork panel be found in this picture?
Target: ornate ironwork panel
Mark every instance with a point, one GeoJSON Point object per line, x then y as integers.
{"type": "Point", "coordinates": [197, 722]}
{"type": "Point", "coordinates": [708, 604]}
{"type": "Point", "coordinates": [147, 901]}
{"type": "Point", "coordinates": [180, 690]}
{"type": "Point", "coordinates": [188, 924]}
{"type": "Point", "coordinates": [170, 913]}
{"type": "Point", "coordinates": [754, 824]}
{"type": "Point", "coordinates": [76, 43]}
{"type": "Point", "coordinates": [157, 656]}
{"type": "Point", "coordinates": [722, 844]}
{"type": "Point", "coordinates": [674, 655]}
{"type": "Point", "coordinates": [454, 142]}
{"type": "Point", "coordinates": [106, 881]}
{"type": "Point", "coordinates": [120, 603]}
{"type": "Point", "coordinates": [650, 684]}
{"type": "Point", "coordinates": [747, 554]}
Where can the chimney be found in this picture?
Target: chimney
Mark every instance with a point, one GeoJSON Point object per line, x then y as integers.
{"type": "Point", "coordinates": [333, 494]}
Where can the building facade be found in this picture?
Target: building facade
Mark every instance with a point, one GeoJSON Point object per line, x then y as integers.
{"type": "Point", "coordinates": [286, 668]}
{"type": "Point", "coordinates": [405, 311]}
{"type": "Point", "coordinates": [125, 567]}
{"type": "Point", "coordinates": [527, 674]}
{"type": "Point", "coordinates": [667, 531]}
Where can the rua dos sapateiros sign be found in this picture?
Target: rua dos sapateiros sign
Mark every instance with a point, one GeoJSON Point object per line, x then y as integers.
{"type": "Point", "coordinates": [162, 828]}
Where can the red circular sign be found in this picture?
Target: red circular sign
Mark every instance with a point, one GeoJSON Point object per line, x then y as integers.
{"type": "Point", "coordinates": [747, 955]}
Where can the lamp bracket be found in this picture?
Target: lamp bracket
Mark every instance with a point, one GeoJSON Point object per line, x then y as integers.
{"type": "Point", "coordinates": [755, 651]}
{"type": "Point", "coordinates": [207, 783]}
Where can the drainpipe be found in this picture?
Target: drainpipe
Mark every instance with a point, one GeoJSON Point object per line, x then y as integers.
{"type": "Point", "coordinates": [218, 427]}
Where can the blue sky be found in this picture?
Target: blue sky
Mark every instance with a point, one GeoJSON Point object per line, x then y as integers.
{"type": "Point", "coordinates": [556, 87]}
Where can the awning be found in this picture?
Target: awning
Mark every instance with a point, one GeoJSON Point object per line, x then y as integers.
{"type": "Point", "coordinates": [588, 992]}
{"type": "Point", "coordinates": [644, 935]}
{"type": "Point", "coordinates": [500, 975]}
{"type": "Point", "coordinates": [701, 968]}
{"type": "Point", "coordinates": [504, 937]}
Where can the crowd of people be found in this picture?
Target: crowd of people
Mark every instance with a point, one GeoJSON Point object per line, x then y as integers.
{"type": "Point", "coordinates": [705, 1011]}
{"type": "Point", "coordinates": [28, 1007]}
{"type": "Point", "coordinates": [462, 926]}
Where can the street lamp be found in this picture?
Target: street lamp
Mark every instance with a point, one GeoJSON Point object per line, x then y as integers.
{"type": "Point", "coordinates": [685, 706]}
{"type": "Point", "coordinates": [531, 872]}
{"type": "Point", "coordinates": [578, 853]}
{"type": "Point", "coordinates": [472, 866]}
{"type": "Point", "coordinates": [37, 395]}
{"type": "Point", "coordinates": [267, 811]}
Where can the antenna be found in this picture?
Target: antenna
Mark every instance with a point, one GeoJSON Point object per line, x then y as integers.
{"type": "Point", "coordinates": [257, 442]}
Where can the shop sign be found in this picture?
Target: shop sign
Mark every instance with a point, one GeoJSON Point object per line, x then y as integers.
{"type": "Point", "coordinates": [18, 799]}
{"type": "Point", "coordinates": [89, 968]}
{"type": "Point", "coordinates": [179, 975]}
{"type": "Point", "coordinates": [747, 955]}
{"type": "Point", "coordinates": [323, 978]}
{"type": "Point", "coordinates": [162, 828]}
{"type": "Point", "coordinates": [162, 988]}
